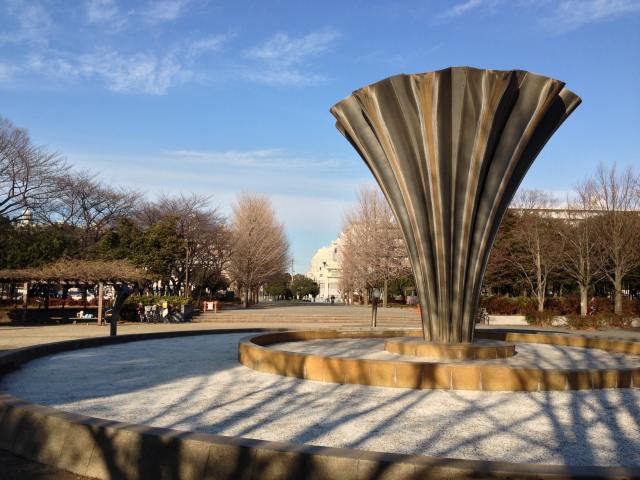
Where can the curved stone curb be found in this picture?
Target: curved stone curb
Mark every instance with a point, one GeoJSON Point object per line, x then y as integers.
{"type": "Point", "coordinates": [109, 449]}
{"type": "Point", "coordinates": [416, 347]}
{"type": "Point", "coordinates": [438, 375]}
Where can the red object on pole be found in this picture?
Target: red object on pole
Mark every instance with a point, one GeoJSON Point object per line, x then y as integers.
{"type": "Point", "coordinates": [418, 309]}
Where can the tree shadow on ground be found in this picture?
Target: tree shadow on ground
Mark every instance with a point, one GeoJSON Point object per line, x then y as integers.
{"type": "Point", "coordinates": [572, 418]}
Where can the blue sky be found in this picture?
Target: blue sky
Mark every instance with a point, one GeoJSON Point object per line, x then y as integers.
{"type": "Point", "coordinates": [219, 97]}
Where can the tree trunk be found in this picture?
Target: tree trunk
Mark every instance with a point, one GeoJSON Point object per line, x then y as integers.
{"type": "Point", "coordinates": [245, 298]}
{"type": "Point", "coordinates": [386, 293]}
{"type": "Point", "coordinates": [584, 307]}
{"type": "Point", "coordinates": [541, 294]}
{"type": "Point", "coordinates": [617, 285]}
{"type": "Point", "coordinates": [540, 302]}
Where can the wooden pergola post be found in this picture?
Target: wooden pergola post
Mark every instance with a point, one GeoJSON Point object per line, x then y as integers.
{"type": "Point", "coordinates": [100, 302]}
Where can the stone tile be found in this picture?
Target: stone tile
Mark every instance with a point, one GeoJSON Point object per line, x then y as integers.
{"type": "Point", "coordinates": [525, 379]}
{"type": "Point", "coordinates": [382, 373]}
{"type": "Point", "coordinates": [314, 368]}
{"type": "Point", "coordinates": [437, 376]}
{"type": "Point", "coordinates": [77, 450]}
{"type": "Point", "coordinates": [333, 370]}
{"type": "Point", "coordinates": [496, 378]}
{"type": "Point", "coordinates": [625, 378]}
{"type": "Point", "coordinates": [9, 424]}
{"type": "Point", "coordinates": [604, 379]}
{"type": "Point", "coordinates": [228, 462]}
{"type": "Point", "coordinates": [355, 371]}
{"type": "Point", "coordinates": [294, 366]}
{"type": "Point", "coordinates": [274, 465]}
{"type": "Point", "coordinates": [117, 454]}
{"type": "Point", "coordinates": [326, 467]}
{"type": "Point", "coordinates": [465, 377]}
{"type": "Point", "coordinates": [553, 380]}
{"type": "Point", "coordinates": [193, 459]}
{"type": "Point", "coordinates": [408, 375]}
{"type": "Point", "coordinates": [579, 380]}
{"type": "Point", "coordinates": [370, 469]}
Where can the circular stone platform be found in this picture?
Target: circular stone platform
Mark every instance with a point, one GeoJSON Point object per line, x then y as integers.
{"type": "Point", "coordinates": [478, 350]}
{"type": "Point", "coordinates": [269, 353]}
{"type": "Point", "coordinates": [196, 384]}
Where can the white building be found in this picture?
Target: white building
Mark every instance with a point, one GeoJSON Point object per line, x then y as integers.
{"type": "Point", "coordinates": [326, 272]}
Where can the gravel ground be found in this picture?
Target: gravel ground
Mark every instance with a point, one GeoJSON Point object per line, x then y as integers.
{"type": "Point", "coordinates": [542, 356]}
{"type": "Point", "coordinates": [195, 383]}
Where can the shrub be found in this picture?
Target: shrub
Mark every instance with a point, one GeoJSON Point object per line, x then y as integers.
{"type": "Point", "coordinates": [501, 305]}
{"type": "Point", "coordinates": [158, 300]}
{"type": "Point", "coordinates": [575, 321]}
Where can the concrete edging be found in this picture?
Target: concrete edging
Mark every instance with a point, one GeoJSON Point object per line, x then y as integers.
{"type": "Point", "coordinates": [109, 449]}
{"type": "Point", "coordinates": [438, 375]}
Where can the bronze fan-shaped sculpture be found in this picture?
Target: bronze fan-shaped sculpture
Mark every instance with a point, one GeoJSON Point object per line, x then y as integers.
{"type": "Point", "coordinates": [449, 149]}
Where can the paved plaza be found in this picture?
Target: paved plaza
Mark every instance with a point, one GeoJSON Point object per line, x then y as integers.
{"type": "Point", "coordinates": [195, 383]}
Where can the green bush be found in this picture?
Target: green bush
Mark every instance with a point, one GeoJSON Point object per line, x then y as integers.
{"type": "Point", "coordinates": [158, 300]}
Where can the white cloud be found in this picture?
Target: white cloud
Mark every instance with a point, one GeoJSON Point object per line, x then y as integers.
{"type": "Point", "coordinates": [210, 44]}
{"type": "Point", "coordinates": [281, 58]}
{"type": "Point", "coordinates": [572, 14]}
{"type": "Point", "coordinates": [464, 7]}
{"type": "Point", "coordinates": [271, 158]}
{"type": "Point", "coordinates": [155, 11]}
{"type": "Point", "coordinates": [276, 76]}
{"type": "Point", "coordinates": [33, 24]}
{"type": "Point", "coordinates": [561, 15]}
{"type": "Point", "coordinates": [285, 51]}
{"type": "Point", "coordinates": [138, 73]}
{"type": "Point", "coordinates": [6, 72]}
{"type": "Point", "coordinates": [145, 72]}
{"type": "Point", "coordinates": [101, 10]}
{"type": "Point", "coordinates": [163, 10]}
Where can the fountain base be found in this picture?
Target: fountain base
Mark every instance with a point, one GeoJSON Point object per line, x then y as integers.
{"type": "Point", "coordinates": [478, 350]}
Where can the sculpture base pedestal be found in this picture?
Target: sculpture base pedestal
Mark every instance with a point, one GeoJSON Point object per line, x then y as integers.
{"type": "Point", "coordinates": [478, 350]}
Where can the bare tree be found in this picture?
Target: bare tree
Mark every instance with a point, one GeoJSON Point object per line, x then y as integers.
{"type": "Point", "coordinates": [85, 203]}
{"type": "Point", "coordinates": [581, 256]}
{"type": "Point", "coordinates": [373, 250]}
{"type": "Point", "coordinates": [500, 274]}
{"type": "Point", "coordinates": [202, 231]}
{"type": "Point", "coordinates": [28, 174]}
{"type": "Point", "coordinates": [260, 250]}
{"type": "Point", "coordinates": [616, 196]}
{"type": "Point", "coordinates": [535, 247]}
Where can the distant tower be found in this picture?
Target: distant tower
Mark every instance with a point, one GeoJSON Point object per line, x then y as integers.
{"type": "Point", "coordinates": [326, 271]}
{"type": "Point", "coordinates": [26, 218]}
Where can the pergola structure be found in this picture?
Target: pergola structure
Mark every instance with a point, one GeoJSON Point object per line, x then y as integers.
{"type": "Point", "coordinates": [75, 272]}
